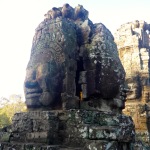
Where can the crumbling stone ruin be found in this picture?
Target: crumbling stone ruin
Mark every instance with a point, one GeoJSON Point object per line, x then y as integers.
{"type": "Point", "coordinates": [133, 42]}
{"type": "Point", "coordinates": [74, 89]}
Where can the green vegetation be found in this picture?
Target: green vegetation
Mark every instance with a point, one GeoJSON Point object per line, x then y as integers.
{"type": "Point", "coordinates": [9, 107]}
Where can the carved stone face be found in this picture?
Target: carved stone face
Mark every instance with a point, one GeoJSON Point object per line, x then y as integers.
{"type": "Point", "coordinates": [43, 85]}
{"type": "Point", "coordinates": [50, 64]}
{"type": "Point", "coordinates": [134, 89]}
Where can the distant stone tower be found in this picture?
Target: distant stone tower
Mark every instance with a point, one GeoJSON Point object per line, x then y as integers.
{"type": "Point", "coordinates": [133, 42]}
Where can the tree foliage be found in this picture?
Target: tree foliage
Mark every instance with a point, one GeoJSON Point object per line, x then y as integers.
{"type": "Point", "coordinates": [9, 107]}
{"type": "Point", "coordinates": [4, 120]}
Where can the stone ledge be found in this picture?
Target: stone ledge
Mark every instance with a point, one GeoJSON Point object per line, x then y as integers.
{"type": "Point", "coordinates": [69, 128]}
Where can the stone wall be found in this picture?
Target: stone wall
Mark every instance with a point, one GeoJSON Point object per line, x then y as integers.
{"type": "Point", "coordinates": [59, 130]}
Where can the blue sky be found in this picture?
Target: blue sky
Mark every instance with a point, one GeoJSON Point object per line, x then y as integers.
{"type": "Point", "coordinates": [19, 18]}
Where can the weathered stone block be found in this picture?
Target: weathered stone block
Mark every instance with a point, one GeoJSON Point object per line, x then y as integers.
{"type": "Point", "coordinates": [35, 121]}
{"type": "Point", "coordinates": [101, 145]}
{"type": "Point", "coordinates": [9, 146]}
{"type": "Point", "coordinates": [126, 131]}
{"type": "Point", "coordinates": [22, 125]}
{"type": "Point", "coordinates": [18, 136]}
{"type": "Point", "coordinates": [100, 133]}
{"type": "Point", "coordinates": [45, 125]}
{"type": "Point", "coordinates": [40, 147]}
{"type": "Point", "coordinates": [78, 131]}
{"type": "Point", "coordinates": [98, 125]}
{"type": "Point", "coordinates": [69, 102]}
{"type": "Point", "coordinates": [41, 137]}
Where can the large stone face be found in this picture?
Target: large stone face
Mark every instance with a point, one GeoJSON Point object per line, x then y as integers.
{"type": "Point", "coordinates": [133, 46]}
{"type": "Point", "coordinates": [72, 57]}
{"type": "Point", "coordinates": [52, 62]}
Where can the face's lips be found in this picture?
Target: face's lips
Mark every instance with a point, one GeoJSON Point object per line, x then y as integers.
{"type": "Point", "coordinates": [30, 93]}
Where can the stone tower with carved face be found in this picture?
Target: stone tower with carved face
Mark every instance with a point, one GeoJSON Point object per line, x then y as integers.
{"type": "Point", "coordinates": [133, 42]}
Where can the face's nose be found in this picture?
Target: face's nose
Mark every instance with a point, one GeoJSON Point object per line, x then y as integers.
{"type": "Point", "coordinates": [31, 84]}
{"type": "Point", "coordinates": [30, 81]}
